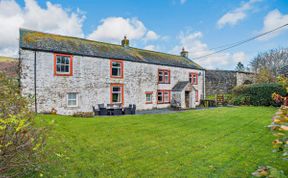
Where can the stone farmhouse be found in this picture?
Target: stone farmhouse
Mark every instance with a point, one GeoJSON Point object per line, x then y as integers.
{"type": "Point", "coordinates": [72, 74]}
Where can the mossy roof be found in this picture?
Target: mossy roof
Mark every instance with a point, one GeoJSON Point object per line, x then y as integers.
{"type": "Point", "coordinates": [34, 40]}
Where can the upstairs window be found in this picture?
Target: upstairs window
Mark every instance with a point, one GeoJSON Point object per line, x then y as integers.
{"type": "Point", "coordinates": [163, 76]}
{"type": "Point", "coordinates": [63, 65]}
{"type": "Point", "coordinates": [117, 93]}
{"type": "Point", "coordinates": [193, 78]}
{"type": "Point", "coordinates": [116, 69]}
{"type": "Point", "coordinates": [163, 96]}
{"type": "Point", "coordinates": [72, 100]}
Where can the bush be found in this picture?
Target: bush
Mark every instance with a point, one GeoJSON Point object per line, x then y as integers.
{"type": "Point", "coordinates": [20, 142]}
{"type": "Point", "coordinates": [256, 94]}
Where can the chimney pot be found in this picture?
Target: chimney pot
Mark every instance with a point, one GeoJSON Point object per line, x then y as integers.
{"type": "Point", "coordinates": [184, 53]}
{"type": "Point", "coordinates": [125, 42]}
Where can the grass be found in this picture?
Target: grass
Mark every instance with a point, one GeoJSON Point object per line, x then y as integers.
{"type": "Point", "coordinates": [223, 142]}
{"type": "Point", "coordinates": [6, 59]}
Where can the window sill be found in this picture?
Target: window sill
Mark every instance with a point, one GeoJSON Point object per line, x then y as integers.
{"type": "Point", "coordinates": [164, 103]}
{"type": "Point", "coordinates": [72, 107]}
{"type": "Point", "coordinates": [117, 77]}
{"type": "Point", "coordinates": [148, 102]}
{"type": "Point", "coordinates": [63, 74]}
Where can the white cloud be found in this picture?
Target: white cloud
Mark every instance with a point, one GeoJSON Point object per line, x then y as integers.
{"type": "Point", "coordinates": [273, 20]}
{"type": "Point", "coordinates": [150, 47]}
{"type": "Point", "coordinates": [239, 57]}
{"type": "Point", "coordinates": [53, 19]}
{"type": "Point", "coordinates": [192, 42]}
{"type": "Point", "coordinates": [236, 15]}
{"type": "Point", "coordinates": [113, 29]}
{"type": "Point", "coordinates": [151, 35]}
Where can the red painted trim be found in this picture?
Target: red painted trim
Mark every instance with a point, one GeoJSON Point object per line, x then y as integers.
{"type": "Point", "coordinates": [70, 63]}
{"type": "Point", "coordinates": [149, 92]}
{"type": "Point", "coordinates": [122, 91]}
{"type": "Point", "coordinates": [191, 76]}
{"type": "Point", "coordinates": [169, 76]}
{"type": "Point", "coordinates": [162, 91]}
{"type": "Point", "coordinates": [196, 96]}
{"type": "Point", "coordinates": [121, 68]}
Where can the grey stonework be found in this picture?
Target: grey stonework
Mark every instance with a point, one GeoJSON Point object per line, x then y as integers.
{"type": "Point", "coordinates": [91, 81]}
{"type": "Point", "coordinates": [223, 81]}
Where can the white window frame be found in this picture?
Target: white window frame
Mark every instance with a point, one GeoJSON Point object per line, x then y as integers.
{"type": "Point", "coordinates": [166, 96]}
{"type": "Point", "coordinates": [118, 69]}
{"type": "Point", "coordinates": [71, 106]}
{"type": "Point", "coordinates": [65, 65]}
{"type": "Point", "coordinates": [148, 95]}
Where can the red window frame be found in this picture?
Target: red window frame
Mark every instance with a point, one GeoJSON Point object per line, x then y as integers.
{"type": "Point", "coordinates": [122, 92]}
{"type": "Point", "coordinates": [151, 93]}
{"type": "Point", "coordinates": [70, 65]}
{"type": "Point", "coordinates": [121, 68]}
{"type": "Point", "coordinates": [196, 95]}
{"type": "Point", "coordinates": [191, 77]}
{"type": "Point", "coordinates": [163, 91]}
{"type": "Point", "coordinates": [163, 72]}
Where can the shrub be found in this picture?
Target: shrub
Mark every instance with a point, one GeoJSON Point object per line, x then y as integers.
{"type": "Point", "coordinates": [83, 114]}
{"type": "Point", "coordinates": [256, 94]}
{"type": "Point", "coordinates": [20, 142]}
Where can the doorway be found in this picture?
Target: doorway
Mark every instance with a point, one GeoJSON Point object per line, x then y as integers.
{"type": "Point", "coordinates": [187, 99]}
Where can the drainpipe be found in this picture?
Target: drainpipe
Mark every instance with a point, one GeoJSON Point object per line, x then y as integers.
{"type": "Point", "coordinates": [35, 92]}
{"type": "Point", "coordinates": [204, 84]}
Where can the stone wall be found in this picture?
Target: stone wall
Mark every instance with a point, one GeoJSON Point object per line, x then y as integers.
{"type": "Point", "coordinates": [223, 81]}
{"type": "Point", "coordinates": [91, 81]}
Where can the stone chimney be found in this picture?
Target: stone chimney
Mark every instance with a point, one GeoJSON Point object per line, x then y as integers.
{"type": "Point", "coordinates": [184, 53]}
{"type": "Point", "coordinates": [125, 42]}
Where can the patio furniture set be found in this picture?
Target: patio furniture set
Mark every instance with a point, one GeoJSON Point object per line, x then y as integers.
{"type": "Point", "coordinates": [114, 109]}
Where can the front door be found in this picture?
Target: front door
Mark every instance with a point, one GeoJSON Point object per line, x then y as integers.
{"type": "Point", "coordinates": [187, 98]}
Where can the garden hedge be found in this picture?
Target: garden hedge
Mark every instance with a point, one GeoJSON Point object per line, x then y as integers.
{"type": "Point", "coordinates": [256, 94]}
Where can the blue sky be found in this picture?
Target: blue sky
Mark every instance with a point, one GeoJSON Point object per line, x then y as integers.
{"type": "Point", "coordinates": [162, 25]}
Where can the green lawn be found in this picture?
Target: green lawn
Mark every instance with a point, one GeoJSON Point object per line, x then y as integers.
{"type": "Point", "coordinates": [224, 142]}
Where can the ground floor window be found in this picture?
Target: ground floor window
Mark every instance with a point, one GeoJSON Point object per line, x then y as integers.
{"type": "Point", "coordinates": [163, 96]}
{"type": "Point", "coordinates": [117, 93]}
{"type": "Point", "coordinates": [72, 100]}
{"type": "Point", "coordinates": [148, 97]}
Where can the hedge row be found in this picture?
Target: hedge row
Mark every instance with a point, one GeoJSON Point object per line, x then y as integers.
{"type": "Point", "coordinates": [256, 94]}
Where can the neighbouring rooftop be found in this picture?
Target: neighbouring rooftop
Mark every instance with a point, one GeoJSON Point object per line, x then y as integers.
{"type": "Point", "coordinates": [34, 40]}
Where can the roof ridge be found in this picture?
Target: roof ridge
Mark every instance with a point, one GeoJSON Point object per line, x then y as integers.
{"type": "Point", "coordinates": [67, 36]}
{"type": "Point", "coordinates": [32, 39]}
{"type": "Point", "coordinates": [80, 38]}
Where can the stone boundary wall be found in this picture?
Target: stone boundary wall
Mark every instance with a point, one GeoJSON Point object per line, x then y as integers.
{"type": "Point", "coordinates": [223, 81]}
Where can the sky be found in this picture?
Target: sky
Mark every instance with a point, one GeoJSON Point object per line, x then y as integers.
{"type": "Point", "coordinates": [167, 26]}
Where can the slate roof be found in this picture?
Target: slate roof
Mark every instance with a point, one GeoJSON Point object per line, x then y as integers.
{"type": "Point", "coordinates": [34, 40]}
{"type": "Point", "coordinates": [180, 86]}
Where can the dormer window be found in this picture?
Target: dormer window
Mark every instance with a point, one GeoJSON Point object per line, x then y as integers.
{"type": "Point", "coordinates": [63, 65]}
{"type": "Point", "coordinates": [163, 76]}
{"type": "Point", "coordinates": [116, 69]}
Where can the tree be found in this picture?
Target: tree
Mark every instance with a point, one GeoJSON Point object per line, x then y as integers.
{"type": "Point", "coordinates": [20, 141]}
{"type": "Point", "coordinates": [271, 60]}
{"type": "Point", "coordinates": [240, 67]}
{"type": "Point", "coordinates": [265, 76]}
